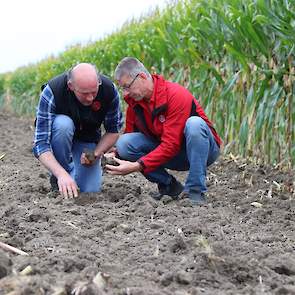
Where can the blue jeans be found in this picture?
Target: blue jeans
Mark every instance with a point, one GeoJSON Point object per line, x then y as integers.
{"type": "Point", "coordinates": [67, 152]}
{"type": "Point", "coordinates": [198, 151]}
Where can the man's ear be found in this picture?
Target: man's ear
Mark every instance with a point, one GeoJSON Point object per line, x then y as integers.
{"type": "Point", "coordinates": [70, 85]}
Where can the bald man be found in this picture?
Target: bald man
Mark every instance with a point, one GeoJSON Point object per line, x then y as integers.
{"type": "Point", "coordinates": [71, 110]}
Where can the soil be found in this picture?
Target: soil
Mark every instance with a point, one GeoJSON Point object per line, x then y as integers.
{"type": "Point", "coordinates": [121, 241]}
{"type": "Point", "coordinates": [89, 155]}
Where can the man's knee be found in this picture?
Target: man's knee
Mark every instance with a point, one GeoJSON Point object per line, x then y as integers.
{"type": "Point", "coordinates": [195, 125]}
{"type": "Point", "coordinates": [131, 146]}
{"type": "Point", "coordinates": [63, 125]}
{"type": "Point", "coordinates": [122, 145]}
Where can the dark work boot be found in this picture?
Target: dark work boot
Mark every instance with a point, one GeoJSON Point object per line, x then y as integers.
{"type": "Point", "coordinates": [195, 196]}
{"type": "Point", "coordinates": [53, 183]}
{"type": "Point", "coordinates": [173, 190]}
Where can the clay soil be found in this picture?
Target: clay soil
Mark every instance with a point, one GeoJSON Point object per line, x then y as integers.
{"type": "Point", "coordinates": [241, 242]}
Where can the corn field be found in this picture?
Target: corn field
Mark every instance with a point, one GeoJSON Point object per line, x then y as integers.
{"type": "Point", "coordinates": [235, 56]}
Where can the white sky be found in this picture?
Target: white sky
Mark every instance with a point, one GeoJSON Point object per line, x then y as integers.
{"type": "Point", "coordinates": [31, 30]}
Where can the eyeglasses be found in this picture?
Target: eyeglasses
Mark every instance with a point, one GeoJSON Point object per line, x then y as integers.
{"type": "Point", "coordinates": [127, 87]}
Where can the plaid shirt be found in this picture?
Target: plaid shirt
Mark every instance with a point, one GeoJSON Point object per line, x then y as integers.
{"type": "Point", "coordinates": [46, 114]}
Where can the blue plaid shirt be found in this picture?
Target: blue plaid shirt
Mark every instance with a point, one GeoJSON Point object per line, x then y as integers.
{"type": "Point", "coordinates": [46, 113]}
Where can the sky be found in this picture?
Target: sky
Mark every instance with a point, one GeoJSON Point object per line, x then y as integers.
{"type": "Point", "coordinates": [32, 30]}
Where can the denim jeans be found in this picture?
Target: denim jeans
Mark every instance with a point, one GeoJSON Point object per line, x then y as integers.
{"type": "Point", "coordinates": [198, 151]}
{"type": "Point", "coordinates": [67, 152]}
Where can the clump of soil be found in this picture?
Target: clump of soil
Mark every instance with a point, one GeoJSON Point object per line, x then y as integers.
{"type": "Point", "coordinates": [240, 242]}
{"type": "Point", "coordinates": [89, 155]}
{"type": "Point", "coordinates": [106, 160]}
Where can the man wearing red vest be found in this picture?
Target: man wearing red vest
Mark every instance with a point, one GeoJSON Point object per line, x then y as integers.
{"type": "Point", "coordinates": [165, 128]}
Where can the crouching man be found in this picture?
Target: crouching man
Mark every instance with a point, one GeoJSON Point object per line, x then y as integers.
{"type": "Point", "coordinates": [71, 110]}
{"type": "Point", "coordinates": [165, 128]}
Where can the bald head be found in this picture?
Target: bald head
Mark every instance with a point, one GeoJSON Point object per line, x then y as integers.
{"type": "Point", "coordinates": [83, 80]}
{"type": "Point", "coordinates": [83, 73]}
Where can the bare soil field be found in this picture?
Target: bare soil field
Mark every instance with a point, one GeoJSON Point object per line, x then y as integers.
{"type": "Point", "coordinates": [121, 241]}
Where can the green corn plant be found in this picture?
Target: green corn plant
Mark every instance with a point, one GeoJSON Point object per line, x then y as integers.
{"type": "Point", "coordinates": [235, 56]}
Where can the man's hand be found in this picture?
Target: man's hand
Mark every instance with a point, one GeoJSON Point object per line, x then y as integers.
{"type": "Point", "coordinates": [67, 186]}
{"type": "Point", "coordinates": [124, 167]}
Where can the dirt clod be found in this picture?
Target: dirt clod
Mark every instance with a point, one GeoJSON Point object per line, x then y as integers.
{"type": "Point", "coordinates": [89, 155]}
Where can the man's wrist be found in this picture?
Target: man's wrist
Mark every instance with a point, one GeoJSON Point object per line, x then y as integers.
{"type": "Point", "coordinates": [97, 154]}
{"type": "Point", "coordinates": [141, 165]}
